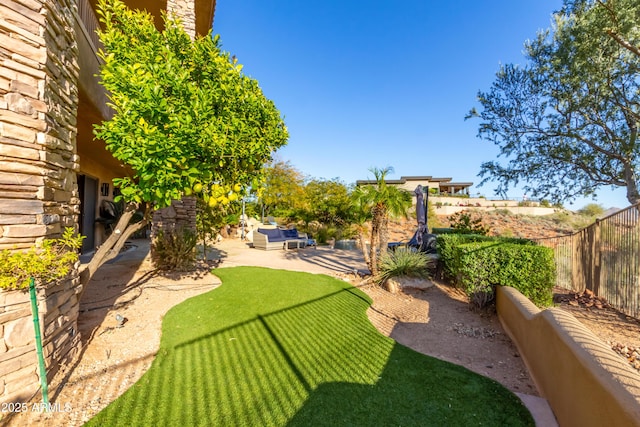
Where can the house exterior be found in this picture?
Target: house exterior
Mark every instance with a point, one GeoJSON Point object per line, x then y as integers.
{"type": "Point", "coordinates": [52, 173]}
{"type": "Point", "coordinates": [442, 186]}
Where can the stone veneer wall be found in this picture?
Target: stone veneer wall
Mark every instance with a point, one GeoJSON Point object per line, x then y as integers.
{"type": "Point", "coordinates": [181, 213]}
{"type": "Point", "coordinates": [186, 11]}
{"type": "Point", "coordinates": [38, 187]}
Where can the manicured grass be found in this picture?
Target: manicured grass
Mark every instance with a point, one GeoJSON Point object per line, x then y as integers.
{"type": "Point", "coordinates": [273, 347]}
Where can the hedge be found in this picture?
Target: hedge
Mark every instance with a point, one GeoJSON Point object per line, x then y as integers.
{"type": "Point", "coordinates": [479, 263]}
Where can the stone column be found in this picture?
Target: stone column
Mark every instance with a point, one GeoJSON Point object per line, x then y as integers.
{"type": "Point", "coordinates": [185, 10]}
{"type": "Point", "coordinates": [38, 188]}
{"type": "Point", "coordinates": [182, 213]}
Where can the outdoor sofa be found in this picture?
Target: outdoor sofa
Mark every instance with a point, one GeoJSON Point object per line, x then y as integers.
{"type": "Point", "coordinates": [278, 238]}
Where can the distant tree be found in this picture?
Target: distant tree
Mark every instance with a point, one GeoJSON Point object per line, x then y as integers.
{"type": "Point", "coordinates": [383, 201]}
{"type": "Point", "coordinates": [567, 122]}
{"type": "Point", "coordinates": [327, 201]}
{"type": "Point", "coordinates": [591, 210]}
{"type": "Point", "coordinates": [463, 223]}
{"type": "Point", "coordinates": [283, 190]}
{"type": "Point", "coordinates": [187, 121]}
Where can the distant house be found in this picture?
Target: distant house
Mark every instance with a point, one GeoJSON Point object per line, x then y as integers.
{"type": "Point", "coordinates": [442, 186]}
{"type": "Point", "coordinates": [52, 173]}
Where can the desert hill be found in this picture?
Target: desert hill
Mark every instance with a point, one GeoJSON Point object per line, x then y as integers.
{"type": "Point", "coordinates": [502, 223]}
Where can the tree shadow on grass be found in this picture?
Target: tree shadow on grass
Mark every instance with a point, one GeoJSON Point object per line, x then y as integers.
{"type": "Point", "coordinates": [117, 284]}
{"type": "Point", "coordinates": [315, 362]}
{"type": "Point", "coordinates": [414, 390]}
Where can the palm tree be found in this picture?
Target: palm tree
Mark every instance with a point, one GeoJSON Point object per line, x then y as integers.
{"type": "Point", "coordinates": [384, 201]}
{"type": "Point", "coordinates": [360, 214]}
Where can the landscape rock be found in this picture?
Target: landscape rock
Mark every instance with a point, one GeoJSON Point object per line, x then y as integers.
{"type": "Point", "coordinates": [400, 283]}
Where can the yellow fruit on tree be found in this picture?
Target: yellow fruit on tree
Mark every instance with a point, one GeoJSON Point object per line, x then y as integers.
{"type": "Point", "coordinates": [232, 197]}
{"type": "Point", "coordinates": [237, 188]}
{"type": "Point", "coordinates": [213, 202]}
{"type": "Point", "coordinates": [197, 188]}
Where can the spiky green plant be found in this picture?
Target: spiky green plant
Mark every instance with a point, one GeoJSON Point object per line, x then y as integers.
{"type": "Point", "coordinates": [402, 262]}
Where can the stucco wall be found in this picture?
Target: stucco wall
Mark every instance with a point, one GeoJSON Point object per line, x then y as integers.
{"type": "Point", "coordinates": [518, 210]}
{"type": "Point", "coordinates": [584, 381]}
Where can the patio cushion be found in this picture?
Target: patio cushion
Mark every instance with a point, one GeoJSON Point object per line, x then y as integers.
{"type": "Point", "coordinates": [290, 234]}
{"type": "Point", "coordinates": [274, 234]}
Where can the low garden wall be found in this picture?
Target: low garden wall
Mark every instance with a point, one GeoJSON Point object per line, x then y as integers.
{"type": "Point", "coordinates": [58, 308]}
{"type": "Point", "coordinates": [584, 381]}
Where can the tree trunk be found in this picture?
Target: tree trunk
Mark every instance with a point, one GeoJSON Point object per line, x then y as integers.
{"type": "Point", "coordinates": [633, 196]}
{"type": "Point", "coordinates": [112, 246]}
{"type": "Point", "coordinates": [363, 247]}
{"type": "Point", "coordinates": [376, 222]}
{"type": "Point", "coordinates": [384, 233]}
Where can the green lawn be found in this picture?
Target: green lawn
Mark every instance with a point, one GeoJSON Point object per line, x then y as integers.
{"type": "Point", "coordinates": [273, 347]}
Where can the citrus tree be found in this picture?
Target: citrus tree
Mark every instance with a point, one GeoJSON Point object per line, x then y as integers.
{"type": "Point", "coordinates": [186, 119]}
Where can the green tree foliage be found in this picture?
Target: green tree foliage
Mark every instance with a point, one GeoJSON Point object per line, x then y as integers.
{"type": "Point", "coordinates": [52, 260]}
{"type": "Point", "coordinates": [327, 201]}
{"type": "Point", "coordinates": [360, 214]}
{"type": "Point", "coordinates": [186, 119]}
{"type": "Point", "coordinates": [283, 190]}
{"type": "Point", "coordinates": [567, 122]}
{"type": "Point", "coordinates": [592, 210]}
{"type": "Point", "coordinates": [462, 223]}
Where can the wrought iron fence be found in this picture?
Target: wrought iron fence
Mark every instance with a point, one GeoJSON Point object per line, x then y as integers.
{"type": "Point", "coordinates": [604, 258]}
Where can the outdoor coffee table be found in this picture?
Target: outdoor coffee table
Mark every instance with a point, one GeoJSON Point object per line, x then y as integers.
{"type": "Point", "coordinates": [296, 243]}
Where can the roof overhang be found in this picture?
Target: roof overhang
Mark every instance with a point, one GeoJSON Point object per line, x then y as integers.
{"type": "Point", "coordinates": [205, 10]}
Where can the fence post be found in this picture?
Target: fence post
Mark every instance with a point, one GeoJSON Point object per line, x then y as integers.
{"type": "Point", "coordinates": [595, 257]}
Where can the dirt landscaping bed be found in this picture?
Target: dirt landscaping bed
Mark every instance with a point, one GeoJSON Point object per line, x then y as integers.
{"type": "Point", "coordinates": [435, 321]}
{"type": "Point", "coordinates": [619, 331]}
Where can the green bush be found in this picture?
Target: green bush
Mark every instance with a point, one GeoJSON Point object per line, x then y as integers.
{"type": "Point", "coordinates": [447, 242]}
{"type": "Point", "coordinates": [477, 263]}
{"type": "Point", "coordinates": [480, 266]}
{"type": "Point", "coordinates": [442, 230]}
{"type": "Point", "coordinates": [53, 260]}
{"type": "Point", "coordinates": [402, 262]}
{"type": "Point", "coordinates": [174, 249]}
{"type": "Point", "coordinates": [462, 223]}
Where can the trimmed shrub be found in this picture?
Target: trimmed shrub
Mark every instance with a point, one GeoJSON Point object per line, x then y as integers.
{"type": "Point", "coordinates": [480, 266]}
{"type": "Point", "coordinates": [447, 243]}
{"type": "Point", "coordinates": [478, 263]}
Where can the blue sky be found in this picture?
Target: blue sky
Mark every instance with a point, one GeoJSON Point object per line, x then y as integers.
{"type": "Point", "coordinates": [375, 83]}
